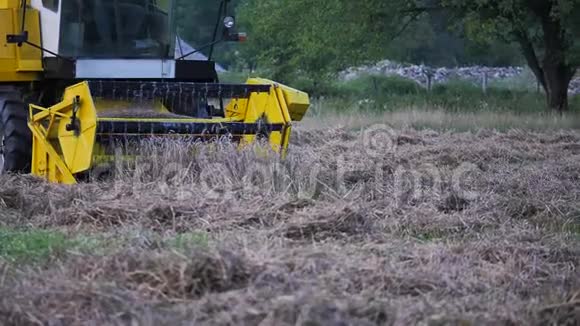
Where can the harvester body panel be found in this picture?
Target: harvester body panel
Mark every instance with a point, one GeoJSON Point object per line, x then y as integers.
{"type": "Point", "coordinates": [19, 63]}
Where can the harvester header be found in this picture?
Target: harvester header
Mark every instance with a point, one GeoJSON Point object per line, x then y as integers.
{"type": "Point", "coordinates": [78, 78]}
{"type": "Point", "coordinates": [81, 130]}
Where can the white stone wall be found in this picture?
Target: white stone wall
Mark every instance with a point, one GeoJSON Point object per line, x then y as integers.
{"type": "Point", "coordinates": [419, 73]}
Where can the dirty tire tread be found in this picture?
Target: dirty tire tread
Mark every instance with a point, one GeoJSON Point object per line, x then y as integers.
{"type": "Point", "coordinates": [17, 136]}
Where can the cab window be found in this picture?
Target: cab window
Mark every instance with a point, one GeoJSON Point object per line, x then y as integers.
{"type": "Point", "coordinates": [50, 4]}
{"type": "Point", "coordinates": [116, 29]}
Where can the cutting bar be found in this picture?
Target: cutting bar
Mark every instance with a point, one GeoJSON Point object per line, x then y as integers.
{"type": "Point", "coordinates": [151, 89]}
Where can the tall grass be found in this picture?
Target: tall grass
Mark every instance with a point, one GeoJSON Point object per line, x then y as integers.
{"type": "Point", "coordinates": [384, 93]}
{"type": "Point", "coordinates": [324, 113]}
{"type": "Point", "coordinates": [392, 93]}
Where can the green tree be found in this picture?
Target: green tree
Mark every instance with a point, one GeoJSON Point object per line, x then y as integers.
{"type": "Point", "coordinates": [429, 39]}
{"type": "Point", "coordinates": [294, 38]}
{"type": "Point", "coordinates": [547, 32]}
{"type": "Point", "coordinates": [196, 20]}
{"type": "Point", "coordinates": [290, 38]}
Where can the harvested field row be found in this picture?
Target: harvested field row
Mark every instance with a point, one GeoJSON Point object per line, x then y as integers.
{"type": "Point", "coordinates": [355, 227]}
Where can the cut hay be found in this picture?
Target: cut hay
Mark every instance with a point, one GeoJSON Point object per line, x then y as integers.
{"type": "Point", "coordinates": [444, 228]}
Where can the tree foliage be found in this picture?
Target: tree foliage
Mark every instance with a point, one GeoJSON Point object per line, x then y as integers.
{"type": "Point", "coordinates": [291, 37]}
{"type": "Point", "coordinates": [294, 39]}
{"type": "Point", "coordinates": [317, 38]}
{"type": "Point", "coordinates": [547, 32]}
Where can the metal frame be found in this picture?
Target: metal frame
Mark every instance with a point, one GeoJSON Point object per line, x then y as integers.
{"type": "Point", "coordinates": [69, 136]}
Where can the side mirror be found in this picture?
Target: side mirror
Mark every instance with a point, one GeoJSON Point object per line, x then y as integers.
{"type": "Point", "coordinates": [229, 32]}
{"type": "Point", "coordinates": [229, 22]}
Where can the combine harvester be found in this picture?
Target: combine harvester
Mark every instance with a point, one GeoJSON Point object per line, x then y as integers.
{"type": "Point", "coordinates": [79, 76]}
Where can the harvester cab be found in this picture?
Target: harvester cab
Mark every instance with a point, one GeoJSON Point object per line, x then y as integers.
{"type": "Point", "coordinates": [78, 77]}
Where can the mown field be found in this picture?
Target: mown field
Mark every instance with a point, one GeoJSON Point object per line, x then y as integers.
{"type": "Point", "coordinates": [361, 225]}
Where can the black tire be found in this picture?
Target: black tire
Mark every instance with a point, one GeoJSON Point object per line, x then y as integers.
{"type": "Point", "coordinates": [15, 136]}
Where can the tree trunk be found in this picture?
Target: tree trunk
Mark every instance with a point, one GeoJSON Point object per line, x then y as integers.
{"type": "Point", "coordinates": [553, 71]}
{"type": "Point", "coordinates": [557, 72]}
{"type": "Point", "coordinates": [557, 79]}
{"type": "Point", "coordinates": [554, 75]}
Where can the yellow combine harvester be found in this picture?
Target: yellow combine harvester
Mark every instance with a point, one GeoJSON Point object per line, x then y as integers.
{"type": "Point", "coordinates": [78, 76]}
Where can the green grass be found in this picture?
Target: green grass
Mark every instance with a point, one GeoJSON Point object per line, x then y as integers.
{"type": "Point", "coordinates": [36, 245]}
{"type": "Point", "coordinates": [385, 93]}
{"type": "Point", "coordinates": [523, 82]}
{"type": "Point", "coordinates": [330, 113]}
{"type": "Point", "coordinates": [233, 77]}
{"type": "Point", "coordinates": [391, 93]}
{"type": "Point", "coordinates": [187, 241]}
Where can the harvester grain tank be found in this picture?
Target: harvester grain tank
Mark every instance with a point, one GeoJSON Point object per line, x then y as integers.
{"type": "Point", "coordinates": [78, 76]}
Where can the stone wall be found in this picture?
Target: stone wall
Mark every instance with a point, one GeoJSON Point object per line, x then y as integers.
{"type": "Point", "coordinates": [420, 73]}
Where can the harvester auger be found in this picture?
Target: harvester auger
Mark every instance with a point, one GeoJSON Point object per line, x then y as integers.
{"type": "Point", "coordinates": [105, 71]}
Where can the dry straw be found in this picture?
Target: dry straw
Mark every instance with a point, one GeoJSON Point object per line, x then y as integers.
{"type": "Point", "coordinates": [327, 237]}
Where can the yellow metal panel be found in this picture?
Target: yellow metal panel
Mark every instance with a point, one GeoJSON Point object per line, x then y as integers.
{"type": "Point", "coordinates": [29, 57]}
{"type": "Point", "coordinates": [6, 24]}
{"type": "Point", "coordinates": [236, 109]}
{"type": "Point", "coordinates": [281, 105]}
{"type": "Point", "coordinates": [286, 140]}
{"type": "Point", "coordinates": [19, 63]}
{"type": "Point", "coordinates": [265, 106]}
{"type": "Point", "coordinates": [46, 162]}
{"type": "Point", "coordinates": [58, 154]}
{"type": "Point", "coordinates": [77, 147]}
{"type": "Point", "coordinates": [8, 4]}
{"type": "Point", "coordinates": [297, 101]}
{"type": "Point", "coordinates": [12, 76]}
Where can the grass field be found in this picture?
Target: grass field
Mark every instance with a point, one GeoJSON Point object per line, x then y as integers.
{"type": "Point", "coordinates": [361, 225]}
{"type": "Point", "coordinates": [376, 93]}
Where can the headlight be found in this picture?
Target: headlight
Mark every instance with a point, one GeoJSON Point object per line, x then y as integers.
{"type": "Point", "coordinates": [229, 22]}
